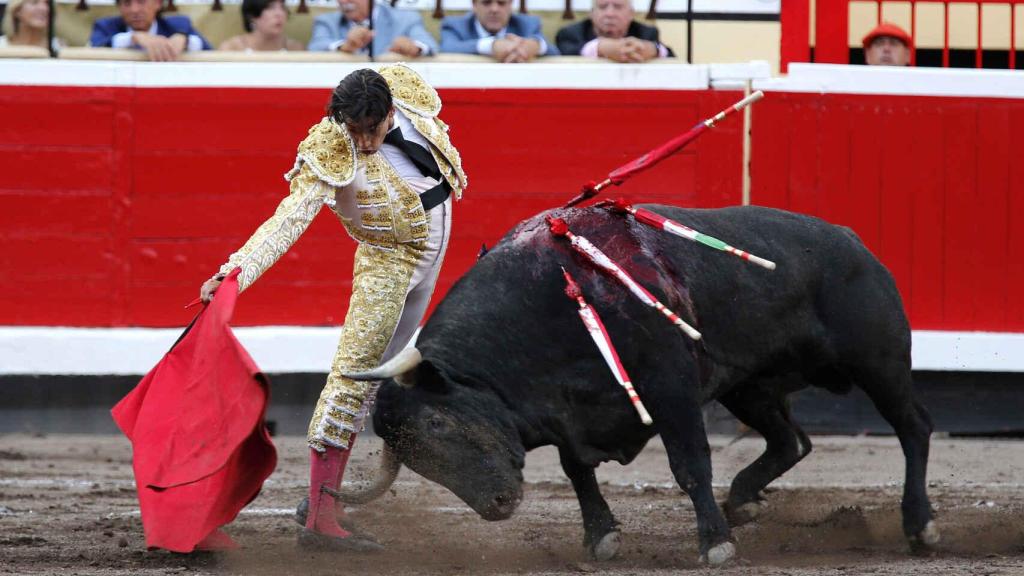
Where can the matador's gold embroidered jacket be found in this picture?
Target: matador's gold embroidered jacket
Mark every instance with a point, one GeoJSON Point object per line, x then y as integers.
{"type": "Point", "coordinates": [374, 204]}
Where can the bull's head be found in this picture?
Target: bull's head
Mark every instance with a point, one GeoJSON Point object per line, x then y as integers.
{"type": "Point", "coordinates": [458, 436]}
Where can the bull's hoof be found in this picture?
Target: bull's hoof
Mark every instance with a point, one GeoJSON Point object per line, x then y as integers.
{"type": "Point", "coordinates": [926, 539]}
{"type": "Point", "coordinates": [312, 540]}
{"type": "Point", "coordinates": [607, 547]}
{"type": "Point", "coordinates": [720, 554]}
{"type": "Point", "coordinates": [744, 513]}
{"type": "Point", "coordinates": [302, 512]}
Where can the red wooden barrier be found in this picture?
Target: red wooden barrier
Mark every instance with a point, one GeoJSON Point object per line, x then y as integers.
{"type": "Point", "coordinates": [928, 183]}
{"type": "Point", "coordinates": [118, 202]}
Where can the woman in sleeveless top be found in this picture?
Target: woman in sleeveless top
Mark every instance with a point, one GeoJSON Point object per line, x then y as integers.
{"type": "Point", "coordinates": [264, 22]}
{"type": "Point", "coordinates": [27, 23]}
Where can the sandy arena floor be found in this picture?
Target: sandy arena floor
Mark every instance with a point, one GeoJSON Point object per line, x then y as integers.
{"type": "Point", "coordinates": [67, 506]}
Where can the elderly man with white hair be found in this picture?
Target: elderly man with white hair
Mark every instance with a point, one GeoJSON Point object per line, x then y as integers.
{"type": "Point", "coordinates": [611, 33]}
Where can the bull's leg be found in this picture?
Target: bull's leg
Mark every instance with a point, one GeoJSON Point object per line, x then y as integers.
{"type": "Point", "coordinates": [677, 415]}
{"type": "Point", "coordinates": [895, 399]}
{"type": "Point", "coordinates": [766, 412]}
{"type": "Point", "coordinates": [601, 535]}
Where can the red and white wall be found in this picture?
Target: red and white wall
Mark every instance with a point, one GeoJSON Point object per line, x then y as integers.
{"type": "Point", "coordinates": [922, 164]}
{"type": "Point", "coordinates": [125, 185]}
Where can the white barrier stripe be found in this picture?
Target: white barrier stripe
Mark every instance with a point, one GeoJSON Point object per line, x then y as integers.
{"type": "Point", "coordinates": [906, 81]}
{"type": "Point", "coordinates": [30, 350]}
{"type": "Point", "coordinates": [558, 75]}
{"type": "Point", "coordinates": [812, 78]}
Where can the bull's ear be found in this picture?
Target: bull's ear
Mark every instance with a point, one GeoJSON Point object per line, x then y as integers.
{"type": "Point", "coordinates": [431, 377]}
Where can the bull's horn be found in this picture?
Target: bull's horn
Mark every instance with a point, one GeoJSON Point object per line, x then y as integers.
{"type": "Point", "coordinates": [400, 368]}
{"type": "Point", "coordinates": [363, 492]}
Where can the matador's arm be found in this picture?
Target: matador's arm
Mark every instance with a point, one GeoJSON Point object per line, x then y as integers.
{"type": "Point", "coordinates": [275, 236]}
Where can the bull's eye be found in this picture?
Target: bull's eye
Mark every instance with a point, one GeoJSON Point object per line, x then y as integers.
{"type": "Point", "coordinates": [436, 424]}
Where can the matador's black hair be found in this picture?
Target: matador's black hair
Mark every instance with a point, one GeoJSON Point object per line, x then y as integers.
{"type": "Point", "coordinates": [361, 97]}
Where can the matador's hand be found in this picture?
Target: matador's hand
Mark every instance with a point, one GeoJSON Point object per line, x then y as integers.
{"type": "Point", "coordinates": [210, 287]}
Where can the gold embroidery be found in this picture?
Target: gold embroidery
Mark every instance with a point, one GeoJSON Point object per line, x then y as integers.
{"type": "Point", "coordinates": [410, 91]}
{"type": "Point", "coordinates": [373, 166]}
{"type": "Point", "coordinates": [410, 208]}
{"type": "Point", "coordinates": [446, 156]}
{"type": "Point", "coordinates": [380, 281]}
{"type": "Point", "coordinates": [275, 236]}
{"type": "Point", "coordinates": [329, 151]}
{"type": "Point", "coordinates": [390, 212]}
{"type": "Point", "coordinates": [374, 195]}
{"type": "Point", "coordinates": [375, 221]}
{"type": "Point", "coordinates": [327, 164]}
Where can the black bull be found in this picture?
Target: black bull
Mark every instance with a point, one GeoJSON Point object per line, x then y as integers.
{"type": "Point", "coordinates": [507, 365]}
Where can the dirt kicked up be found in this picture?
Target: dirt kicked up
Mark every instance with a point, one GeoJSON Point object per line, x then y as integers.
{"type": "Point", "coordinates": [67, 506]}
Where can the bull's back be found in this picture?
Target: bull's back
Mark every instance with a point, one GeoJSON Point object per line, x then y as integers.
{"type": "Point", "coordinates": [826, 292]}
{"type": "Point", "coordinates": [829, 301]}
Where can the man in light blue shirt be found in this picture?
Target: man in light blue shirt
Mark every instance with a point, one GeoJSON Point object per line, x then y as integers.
{"type": "Point", "coordinates": [393, 30]}
{"type": "Point", "coordinates": [491, 29]}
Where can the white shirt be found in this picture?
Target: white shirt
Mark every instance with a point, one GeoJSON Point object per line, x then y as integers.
{"type": "Point", "coordinates": [124, 40]}
{"type": "Point", "coordinates": [333, 46]}
{"type": "Point", "coordinates": [398, 159]}
{"type": "Point", "coordinates": [485, 45]}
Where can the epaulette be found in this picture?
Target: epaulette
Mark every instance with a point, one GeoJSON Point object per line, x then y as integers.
{"type": "Point", "coordinates": [410, 91]}
{"type": "Point", "coordinates": [329, 152]}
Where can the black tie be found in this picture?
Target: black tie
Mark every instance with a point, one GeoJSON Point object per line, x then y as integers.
{"type": "Point", "coordinates": [419, 155]}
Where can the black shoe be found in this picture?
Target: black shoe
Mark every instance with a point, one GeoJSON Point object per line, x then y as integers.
{"type": "Point", "coordinates": [312, 540]}
{"type": "Point", "coordinates": [346, 523]}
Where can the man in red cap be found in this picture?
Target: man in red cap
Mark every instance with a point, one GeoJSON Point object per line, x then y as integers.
{"type": "Point", "coordinates": [887, 45]}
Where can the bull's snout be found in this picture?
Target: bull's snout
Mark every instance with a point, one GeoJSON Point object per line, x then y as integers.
{"type": "Point", "coordinates": [502, 505]}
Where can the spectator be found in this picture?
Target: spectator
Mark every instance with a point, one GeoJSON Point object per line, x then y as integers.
{"type": "Point", "coordinates": [393, 30]}
{"type": "Point", "coordinates": [264, 25]}
{"type": "Point", "coordinates": [141, 25]}
{"type": "Point", "coordinates": [611, 33]}
{"type": "Point", "coordinates": [887, 45]}
{"type": "Point", "coordinates": [491, 29]}
{"type": "Point", "coordinates": [29, 24]}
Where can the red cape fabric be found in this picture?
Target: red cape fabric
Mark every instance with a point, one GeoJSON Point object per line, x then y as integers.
{"type": "Point", "coordinates": [201, 450]}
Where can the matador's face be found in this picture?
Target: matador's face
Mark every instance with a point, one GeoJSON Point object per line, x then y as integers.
{"type": "Point", "coordinates": [368, 136]}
